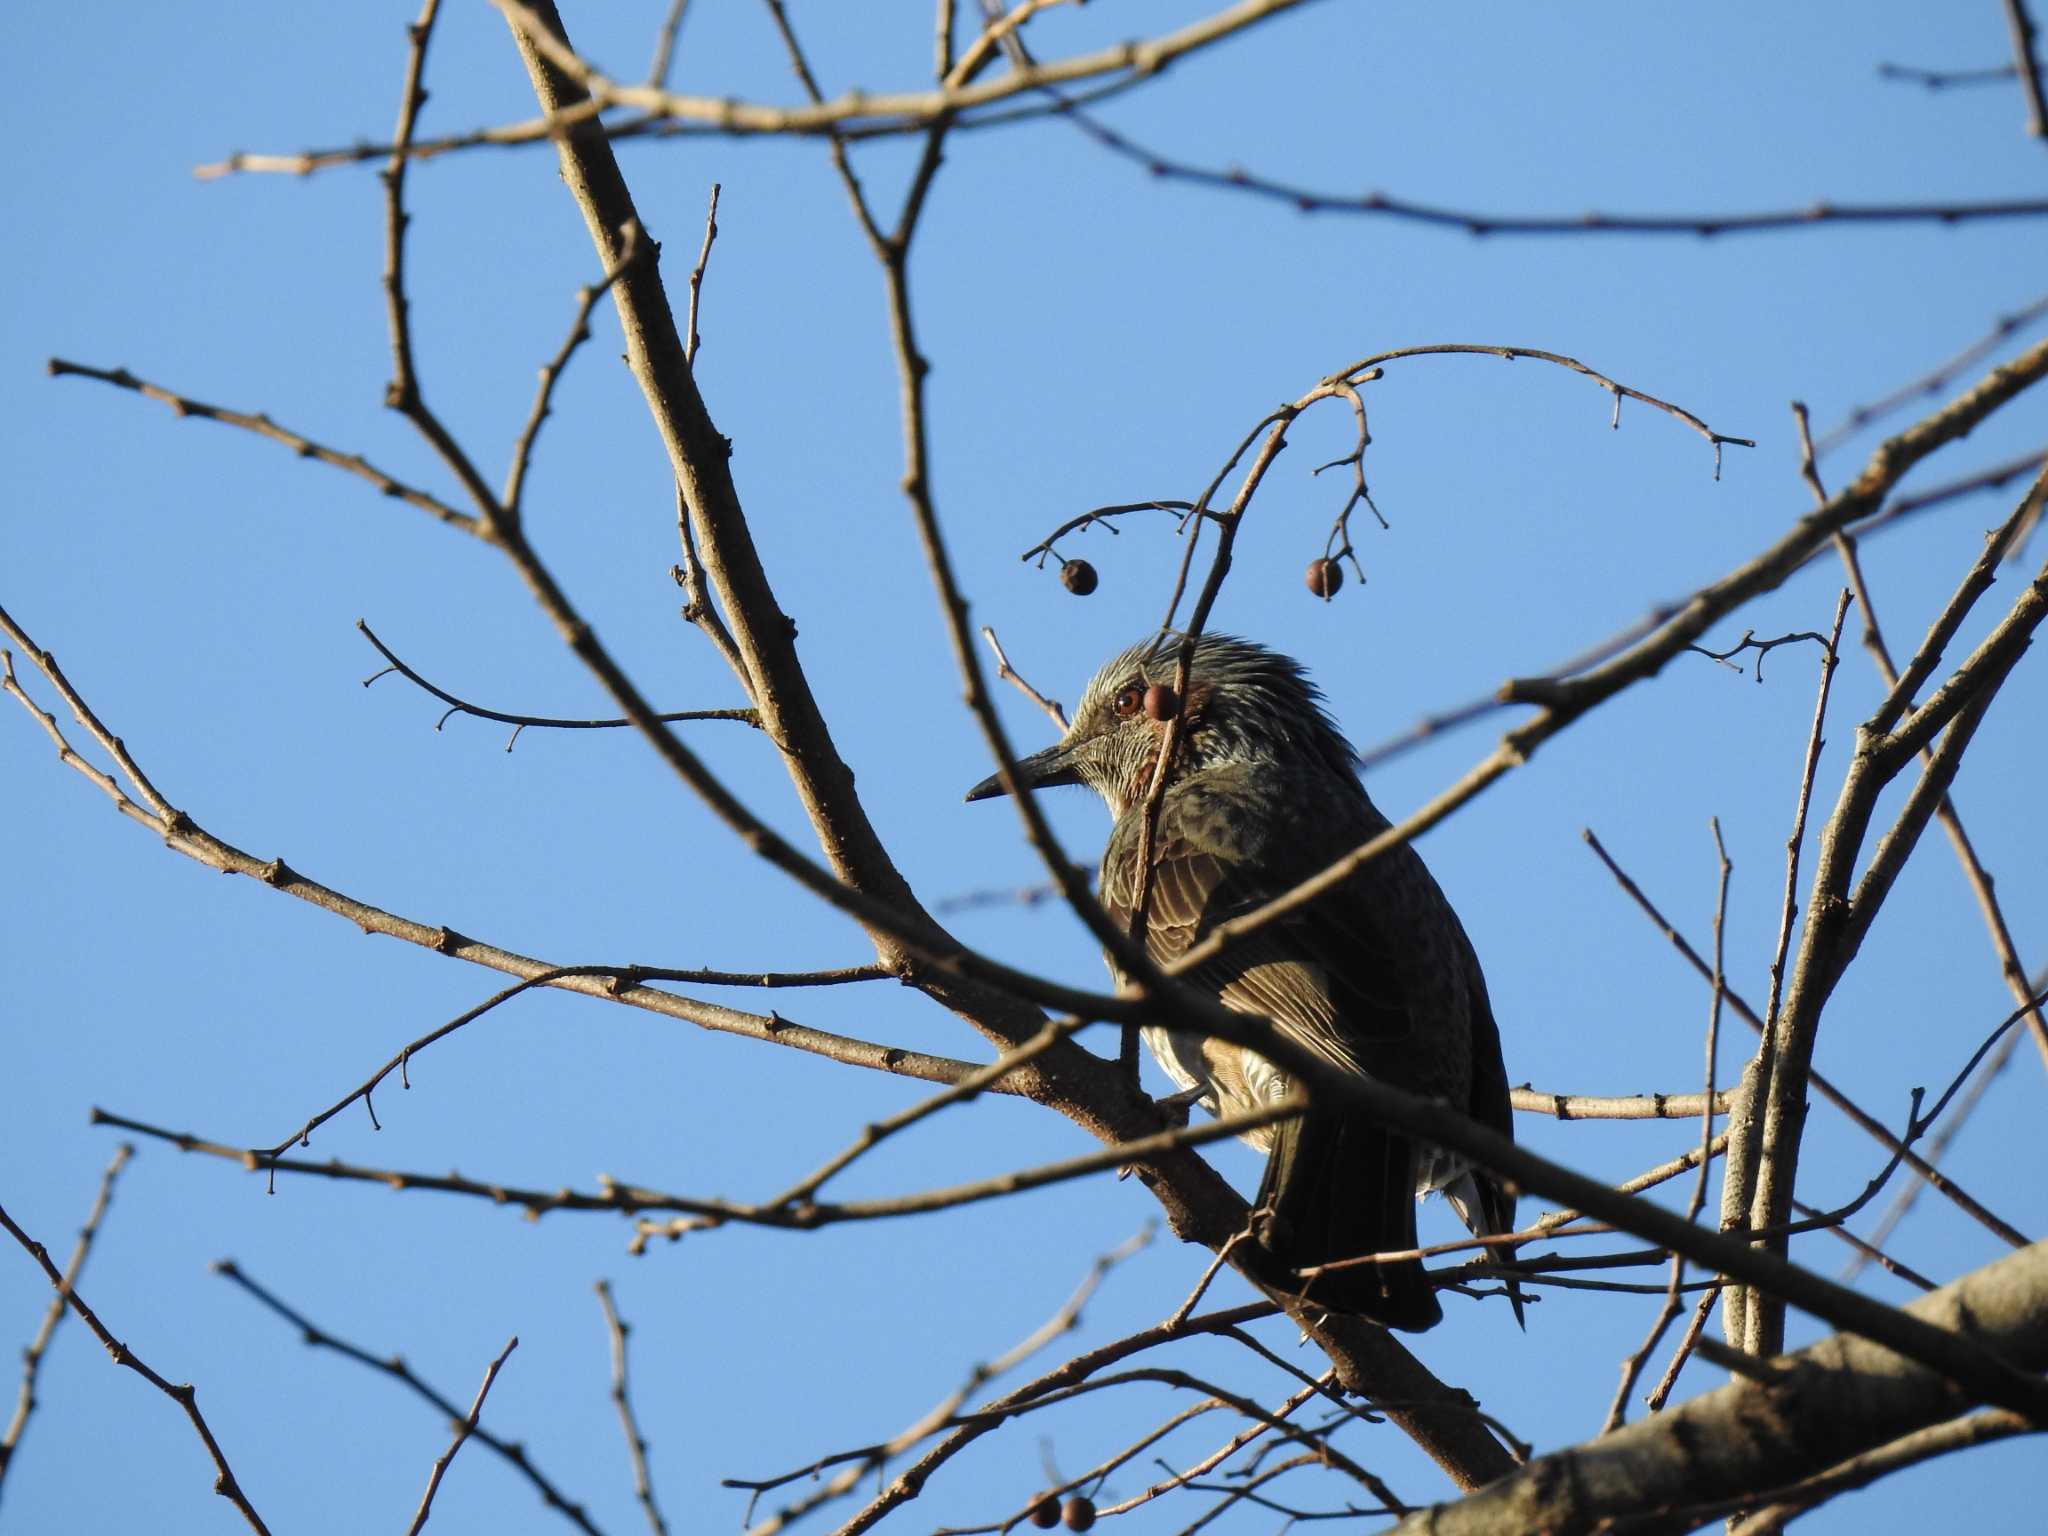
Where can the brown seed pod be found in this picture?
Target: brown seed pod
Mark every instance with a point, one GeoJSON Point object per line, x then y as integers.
{"type": "Point", "coordinates": [1078, 577]}
{"type": "Point", "coordinates": [1325, 577]}
{"type": "Point", "coordinates": [1161, 702]}
{"type": "Point", "coordinates": [1045, 1514]}
{"type": "Point", "coordinates": [1079, 1514]}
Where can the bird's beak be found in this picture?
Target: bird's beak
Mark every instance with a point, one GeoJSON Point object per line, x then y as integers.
{"type": "Point", "coordinates": [1057, 764]}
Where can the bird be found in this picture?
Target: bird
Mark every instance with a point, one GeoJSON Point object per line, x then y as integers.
{"type": "Point", "coordinates": [1375, 977]}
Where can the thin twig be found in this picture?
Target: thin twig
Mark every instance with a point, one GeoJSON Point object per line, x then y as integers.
{"type": "Point", "coordinates": [1431, 726]}
{"type": "Point", "coordinates": [855, 1465]}
{"type": "Point", "coordinates": [1009, 674]}
{"type": "Point", "coordinates": [184, 1395]}
{"type": "Point", "coordinates": [551, 373]}
{"type": "Point", "coordinates": [1938, 1144]}
{"type": "Point", "coordinates": [32, 1357]}
{"type": "Point", "coordinates": [464, 1428]}
{"type": "Point", "coordinates": [1687, 1343]}
{"type": "Point", "coordinates": [395, 1367]}
{"type": "Point", "coordinates": [404, 394]}
{"type": "Point", "coordinates": [1174, 1480]}
{"type": "Point", "coordinates": [1632, 1367]}
{"type": "Point", "coordinates": [1821, 1085]}
{"type": "Point", "coordinates": [803, 1192]}
{"type": "Point", "coordinates": [1477, 222]}
{"type": "Point", "coordinates": [613, 984]}
{"type": "Point", "coordinates": [1944, 79]}
{"type": "Point", "coordinates": [1996, 478]}
{"type": "Point", "coordinates": [1763, 648]}
{"type": "Point", "coordinates": [2028, 67]}
{"type": "Point", "coordinates": [459, 706]}
{"type": "Point", "coordinates": [665, 44]}
{"type": "Point", "coordinates": [1184, 513]}
{"type": "Point", "coordinates": [636, 1445]}
{"type": "Point", "coordinates": [699, 608]}
{"type": "Point", "coordinates": [854, 113]}
{"type": "Point", "coordinates": [1787, 1504]}
{"type": "Point", "coordinates": [261, 424]}
{"type": "Point", "coordinates": [400, 1063]}
{"type": "Point", "coordinates": [1932, 382]}
{"type": "Point", "coordinates": [697, 278]}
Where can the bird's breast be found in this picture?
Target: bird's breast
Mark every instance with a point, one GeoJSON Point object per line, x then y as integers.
{"type": "Point", "coordinates": [1229, 1077]}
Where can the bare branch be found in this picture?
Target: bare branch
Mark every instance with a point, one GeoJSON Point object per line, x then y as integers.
{"type": "Point", "coordinates": [617, 984]}
{"type": "Point", "coordinates": [1009, 674]}
{"type": "Point", "coordinates": [184, 1395]}
{"type": "Point", "coordinates": [697, 278]}
{"type": "Point", "coordinates": [395, 1367]}
{"type": "Point", "coordinates": [856, 112]}
{"type": "Point", "coordinates": [1938, 1144]}
{"type": "Point", "coordinates": [1632, 1367]}
{"type": "Point", "coordinates": [32, 1357]}
{"type": "Point", "coordinates": [459, 706]}
{"type": "Point", "coordinates": [2028, 68]}
{"type": "Point", "coordinates": [1932, 382]}
{"type": "Point", "coordinates": [636, 1447]}
{"type": "Point", "coordinates": [856, 1465]}
{"type": "Point", "coordinates": [1640, 1106]}
{"type": "Point", "coordinates": [551, 372]}
{"type": "Point", "coordinates": [665, 43]}
{"type": "Point", "coordinates": [404, 394]}
{"type": "Point", "coordinates": [1861, 1471]}
{"type": "Point", "coordinates": [261, 424]}
{"type": "Point", "coordinates": [1476, 222]}
{"type": "Point", "coordinates": [1562, 701]}
{"type": "Point", "coordinates": [464, 1428]}
{"type": "Point", "coordinates": [1827, 1090]}
{"type": "Point", "coordinates": [1832, 1401]}
{"type": "Point", "coordinates": [1838, 917]}
{"type": "Point", "coordinates": [1944, 79]}
{"type": "Point", "coordinates": [1745, 1122]}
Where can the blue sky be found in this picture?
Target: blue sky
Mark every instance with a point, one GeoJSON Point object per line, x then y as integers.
{"type": "Point", "coordinates": [1097, 336]}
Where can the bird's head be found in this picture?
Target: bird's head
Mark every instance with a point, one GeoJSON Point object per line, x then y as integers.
{"type": "Point", "coordinates": [1244, 704]}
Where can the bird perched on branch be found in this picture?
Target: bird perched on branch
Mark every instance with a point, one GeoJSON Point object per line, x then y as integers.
{"type": "Point", "coordinates": [1375, 976]}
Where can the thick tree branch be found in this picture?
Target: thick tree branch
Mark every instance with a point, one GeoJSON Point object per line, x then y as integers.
{"type": "Point", "coordinates": [1841, 1397]}
{"type": "Point", "coordinates": [1839, 916]}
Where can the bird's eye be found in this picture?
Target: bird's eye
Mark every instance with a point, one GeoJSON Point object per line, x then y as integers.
{"type": "Point", "coordinates": [1129, 702]}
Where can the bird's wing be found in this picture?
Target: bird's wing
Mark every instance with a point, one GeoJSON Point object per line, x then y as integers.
{"type": "Point", "coordinates": [1318, 984]}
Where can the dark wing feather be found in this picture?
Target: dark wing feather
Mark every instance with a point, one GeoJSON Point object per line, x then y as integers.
{"type": "Point", "coordinates": [1293, 972]}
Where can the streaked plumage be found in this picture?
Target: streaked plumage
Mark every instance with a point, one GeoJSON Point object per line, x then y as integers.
{"type": "Point", "coordinates": [1377, 977]}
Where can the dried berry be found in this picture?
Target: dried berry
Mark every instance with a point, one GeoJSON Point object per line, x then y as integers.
{"type": "Point", "coordinates": [1078, 577]}
{"type": "Point", "coordinates": [1080, 1514]}
{"type": "Point", "coordinates": [1161, 702]}
{"type": "Point", "coordinates": [1045, 1514]}
{"type": "Point", "coordinates": [1325, 577]}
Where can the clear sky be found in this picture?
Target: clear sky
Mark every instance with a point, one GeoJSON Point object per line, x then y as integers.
{"type": "Point", "coordinates": [1097, 335]}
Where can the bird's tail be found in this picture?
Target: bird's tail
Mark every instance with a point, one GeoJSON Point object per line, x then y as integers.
{"type": "Point", "coordinates": [1487, 1208]}
{"type": "Point", "coordinates": [1337, 1187]}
